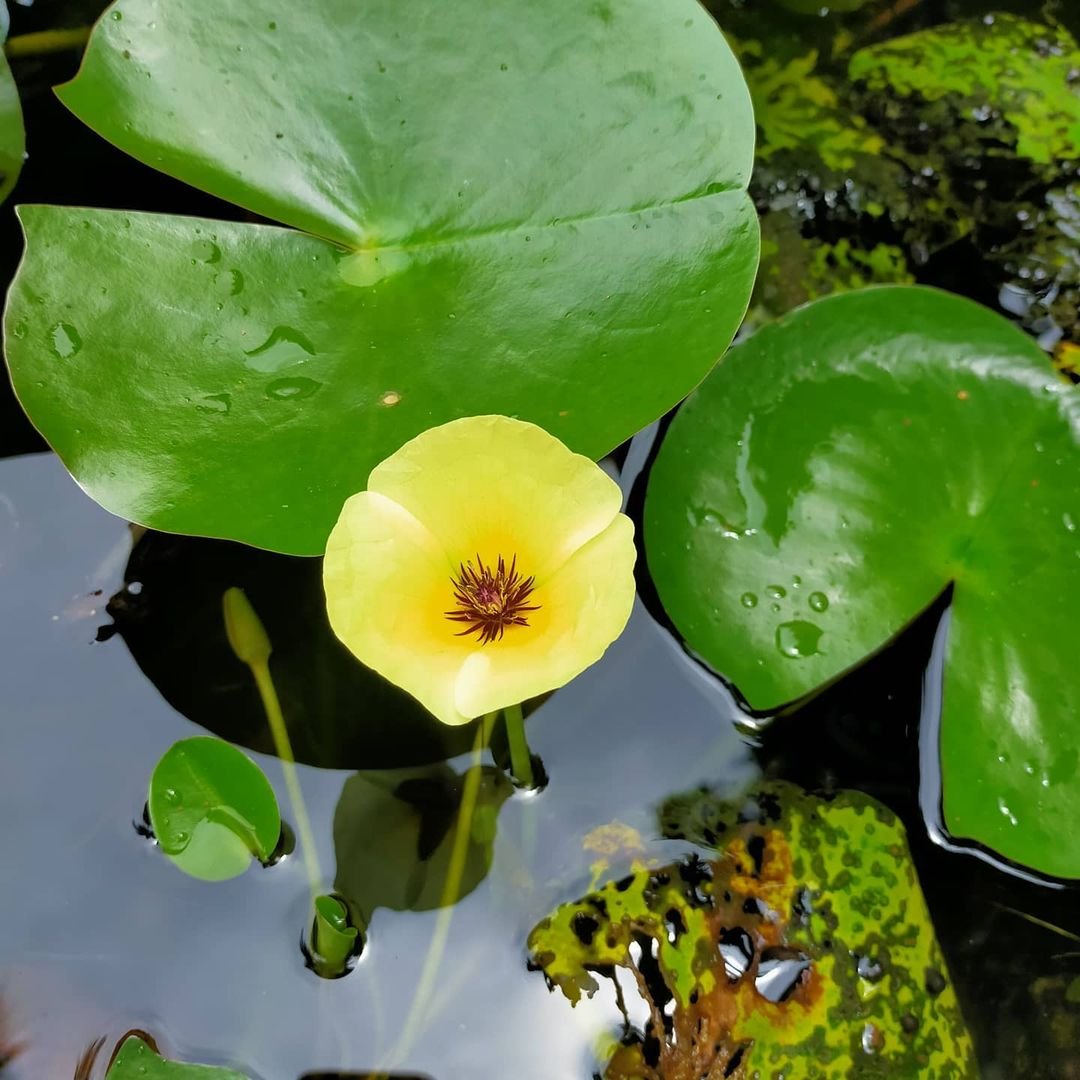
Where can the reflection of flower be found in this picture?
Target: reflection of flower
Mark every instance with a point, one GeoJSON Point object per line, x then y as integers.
{"type": "Point", "coordinates": [485, 564]}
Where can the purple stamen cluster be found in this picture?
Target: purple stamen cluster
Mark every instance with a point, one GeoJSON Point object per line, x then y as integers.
{"type": "Point", "coordinates": [490, 601]}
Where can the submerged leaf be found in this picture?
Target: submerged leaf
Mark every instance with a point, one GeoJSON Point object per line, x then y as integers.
{"type": "Point", "coordinates": [1010, 71]}
{"type": "Point", "coordinates": [802, 947]}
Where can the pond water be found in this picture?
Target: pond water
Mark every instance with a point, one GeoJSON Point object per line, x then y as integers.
{"type": "Point", "coordinates": [112, 651]}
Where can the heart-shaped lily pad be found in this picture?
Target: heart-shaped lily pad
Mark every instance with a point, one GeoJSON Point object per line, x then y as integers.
{"type": "Point", "coordinates": [12, 135]}
{"type": "Point", "coordinates": [136, 1060]}
{"type": "Point", "coordinates": [833, 476]}
{"type": "Point", "coordinates": [530, 209]}
{"type": "Point", "coordinates": [212, 809]}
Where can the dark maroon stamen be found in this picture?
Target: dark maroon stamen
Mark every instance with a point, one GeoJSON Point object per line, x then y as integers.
{"type": "Point", "coordinates": [491, 601]}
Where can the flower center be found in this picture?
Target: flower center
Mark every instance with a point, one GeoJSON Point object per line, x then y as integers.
{"type": "Point", "coordinates": [490, 600]}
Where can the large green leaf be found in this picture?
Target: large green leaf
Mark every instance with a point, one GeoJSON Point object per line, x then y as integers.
{"type": "Point", "coordinates": [531, 209]}
{"type": "Point", "coordinates": [12, 135]}
{"type": "Point", "coordinates": [833, 476]}
{"type": "Point", "coordinates": [823, 888]}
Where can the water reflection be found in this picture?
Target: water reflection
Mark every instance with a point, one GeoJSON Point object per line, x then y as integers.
{"type": "Point", "coordinates": [395, 832]}
{"type": "Point", "coordinates": [339, 714]}
{"type": "Point", "coordinates": [106, 935]}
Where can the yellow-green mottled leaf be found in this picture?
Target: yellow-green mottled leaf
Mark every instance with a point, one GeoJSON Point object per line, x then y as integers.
{"type": "Point", "coordinates": [825, 887]}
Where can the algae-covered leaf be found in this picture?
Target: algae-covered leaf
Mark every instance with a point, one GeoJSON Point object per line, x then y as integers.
{"type": "Point", "coordinates": [795, 109]}
{"type": "Point", "coordinates": [212, 809]}
{"type": "Point", "coordinates": [799, 946]}
{"type": "Point", "coordinates": [136, 1060]}
{"type": "Point", "coordinates": [1004, 70]}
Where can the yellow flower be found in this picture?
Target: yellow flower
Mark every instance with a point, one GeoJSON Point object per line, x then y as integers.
{"type": "Point", "coordinates": [485, 564]}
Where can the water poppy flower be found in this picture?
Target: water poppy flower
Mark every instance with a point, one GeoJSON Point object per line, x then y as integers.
{"type": "Point", "coordinates": [485, 564]}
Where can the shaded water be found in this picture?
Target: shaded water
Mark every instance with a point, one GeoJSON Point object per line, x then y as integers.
{"type": "Point", "coordinates": [100, 934]}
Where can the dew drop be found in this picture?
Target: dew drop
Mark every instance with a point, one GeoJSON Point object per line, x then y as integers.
{"type": "Point", "coordinates": [1068, 522]}
{"type": "Point", "coordinates": [777, 592]}
{"type": "Point", "coordinates": [284, 347]}
{"type": "Point", "coordinates": [819, 601]}
{"type": "Point", "coordinates": [292, 389]}
{"type": "Point", "coordinates": [390, 398]}
{"type": "Point", "coordinates": [230, 282]}
{"type": "Point", "coordinates": [117, 16]}
{"type": "Point", "coordinates": [207, 252]}
{"type": "Point", "coordinates": [872, 1039]}
{"type": "Point", "coordinates": [65, 339]}
{"type": "Point", "coordinates": [798, 639]}
{"type": "Point", "coordinates": [748, 600]}
{"type": "Point", "coordinates": [215, 403]}
{"type": "Point", "coordinates": [1006, 812]}
{"type": "Point", "coordinates": [171, 796]}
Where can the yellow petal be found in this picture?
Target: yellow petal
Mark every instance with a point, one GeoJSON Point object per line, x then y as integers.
{"type": "Point", "coordinates": [491, 486]}
{"type": "Point", "coordinates": [387, 588]}
{"type": "Point", "coordinates": [583, 609]}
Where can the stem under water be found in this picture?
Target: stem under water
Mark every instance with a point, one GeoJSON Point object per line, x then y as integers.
{"type": "Point", "coordinates": [46, 42]}
{"type": "Point", "coordinates": [455, 871]}
{"type": "Point", "coordinates": [520, 757]}
{"type": "Point", "coordinates": [282, 745]}
{"type": "Point", "coordinates": [251, 644]}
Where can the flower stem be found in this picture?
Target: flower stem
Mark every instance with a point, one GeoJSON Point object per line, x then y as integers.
{"type": "Point", "coordinates": [283, 747]}
{"type": "Point", "coordinates": [451, 894]}
{"type": "Point", "coordinates": [46, 41]}
{"type": "Point", "coordinates": [520, 757]}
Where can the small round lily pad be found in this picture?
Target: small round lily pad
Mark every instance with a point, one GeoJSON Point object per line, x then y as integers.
{"type": "Point", "coordinates": [212, 809]}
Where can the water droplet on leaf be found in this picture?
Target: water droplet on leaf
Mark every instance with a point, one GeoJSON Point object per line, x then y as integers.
{"type": "Point", "coordinates": [292, 389]}
{"type": "Point", "coordinates": [819, 601]}
{"type": "Point", "coordinates": [65, 339]}
{"type": "Point", "coordinates": [798, 639]}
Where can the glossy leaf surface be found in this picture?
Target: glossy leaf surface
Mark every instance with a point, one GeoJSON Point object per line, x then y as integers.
{"type": "Point", "coordinates": [136, 1060]}
{"type": "Point", "coordinates": [212, 809]}
{"type": "Point", "coordinates": [12, 135]}
{"type": "Point", "coordinates": [533, 210]}
{"type": "Point", "coordinates": [800, 946]}
{"type": "Point", "coordinates": [834, 475]}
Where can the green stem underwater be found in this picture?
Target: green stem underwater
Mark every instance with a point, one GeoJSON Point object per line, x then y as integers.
{"type": "Point", "coordinates": [46, 42]}
{"type": "Point", "coordinates": [520, 757]}
{"type": "Point", "coordinates": [283, 747]}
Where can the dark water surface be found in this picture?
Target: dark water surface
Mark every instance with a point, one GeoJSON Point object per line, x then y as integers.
{"type": "Point", "coordinates": [100, 934]}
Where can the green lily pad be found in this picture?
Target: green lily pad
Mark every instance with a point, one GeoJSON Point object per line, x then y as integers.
{"type": "Point", "coordinates": [136, 1060]}
{"type": "Point", "coordinates": [537, 210]}
{"type": "Point", "coordinates": [802, 947]}
{"type": "Point", "coordinates": [833, 476]}
{"type": "Point", "coordinates": [212, 809]}
{"type": "Point", "coordinates": [12, 135]}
